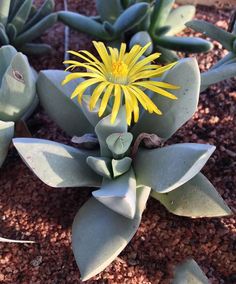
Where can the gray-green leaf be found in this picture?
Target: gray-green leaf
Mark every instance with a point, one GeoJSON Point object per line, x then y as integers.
{"type": "Point", "coordinates": [119, 143]}
{"type": "Point", "coordinates": [113, 232]}
{"type": "Point", "coordinates": [119, 194]}
{"type": "Point", "coordinates": [189, 273]}
{"type": "Point", "coordinates": [56, 164]}
{"type": "Point", "coordinates": [196, 198]}
{"type": "Point", "coordinates": [186, 75]}
{"type": "Point", "coordinates": [178, 17]}
{"type": "Point", "coordinates": [119, 167]}
{"type": "Point", "coordinates": [6, 134]}
{"type": "Point", "coordinates": [104, 128]}
{"type": "Point", "coordinates": [17, 90]}
{"type": "Point", "coordinates": [168, 168]}
{"type": "Point", "coordinates": [101, 165]}
{"type": "Point", "coordinates": [55, 99]}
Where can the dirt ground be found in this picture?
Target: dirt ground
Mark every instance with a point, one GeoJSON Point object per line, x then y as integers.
{"type": "Point", "coordinates": [31, 210]}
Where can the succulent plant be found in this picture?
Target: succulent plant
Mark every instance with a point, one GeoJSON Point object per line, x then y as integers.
{"type": "Point", "coordinates": [21, 23]}
{"type": "Point", "coordinates": [17, 93]}
{"type": "Point", "coordinates": [140, 22]}
{"type": "Point", "coordinates": [226, 67]}
{"type": "Point", "coordinates": [123, 174]}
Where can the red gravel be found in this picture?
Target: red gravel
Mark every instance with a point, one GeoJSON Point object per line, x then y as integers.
{"type": "Point", "coordinates": [31, 210]}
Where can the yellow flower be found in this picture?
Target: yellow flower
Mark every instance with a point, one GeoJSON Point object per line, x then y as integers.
{"type": "Point", "coordinates": [122, 75]}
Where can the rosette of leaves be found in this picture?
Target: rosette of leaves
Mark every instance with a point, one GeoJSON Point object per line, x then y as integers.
{"type": "Point", "coordinates": [226, 67]}
{"type": "Point", "coordinates": [123, 175]}
{"type": "Point", "coordinates": [17, 93]}
{"type": "Point", "coordinates": [140, 22]}
{"type": "Point", "coordinates": [21, 23]}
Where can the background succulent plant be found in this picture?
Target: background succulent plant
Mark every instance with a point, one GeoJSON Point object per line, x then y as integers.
{"type": "Point", "coordinates": [17, 93]}
{"type": "Point", "coordinates": [140, 22]}
{"type": "Point", "coordinates": [171, 174]}
{"type": "Point", "coordinates": [225, 68]}
{"type": "Point", "coordinates": [21, 23]}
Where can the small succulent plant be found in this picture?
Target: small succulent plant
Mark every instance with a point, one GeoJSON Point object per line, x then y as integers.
{"type": "Point", "coordinates": [226, 67]}
{"type": "Point", "coordinates": [21, 23]}
{"type": "Point", "coordinates": [17, 93]}
{"type": "Point", "coordinates": [140, 22]}
{"type": "Point", "coordinates": [124, 172]}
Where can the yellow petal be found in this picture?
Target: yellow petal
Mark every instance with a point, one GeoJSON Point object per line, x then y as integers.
{"type": "Point", "coordinates": [122, 51]}
{"type": "Point", "coordinates": [156, 90]}
{"type": "Point", "coordinates": [116, 105]}
{"type": "Point", "coordinates": [128, 104]}
{"type": "Point", "coordinates": [96, 94]}
{"type": "Point", "coordinates": [102, 51]}
{"type": "Point", "coordinates": [80, 89]}
{"type": "Point", "coordinates": [163, 69]}
{"type": "Point", "coordinates": [114, 53]}
{"type": "Point", "coordinates": [105, 99]}
{"type": "Point", "coordinates": [94, 67]}
{"type": "Point", "coordinates": [162, 85]}
{"type": "Point", "coordinates": [128, 57]}
{"type": "Point", "coordinates": [78, 75]}
{"type": "Point", "coordinates": [80, 56]}
{"type": "Point", "coordinates": [137, 67]}
{"type": "Point", "coordinates": [139, 54]}
{"type": "Point", "coordinates": [135, 108]}
{"type": "Point", "coordinates": [138, 95]}
{"type": "Point", "coordinates": [149, 103]}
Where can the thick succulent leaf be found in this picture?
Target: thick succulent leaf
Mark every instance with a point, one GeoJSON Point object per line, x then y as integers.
{"type": "Point", "coordinates": [11, 32]}
{"type": "Point", "coordinates": [119, 194]}
{"type": "Point", "coordinates": [218, 74]}
{"type": "Point", "coordinates": [119, 167]}
{"type": "Point", "coordinates": [91, 115]}
{"type": "Point", "coordinates": [4, 11]}
{"type": "Point", "coordinates": [214, 32]}
{"type": "Point", "coordinates": [6, 134]}
{"type": "Point", "coordinates": [184, 44]}
{"type": "Point", "coordinates": [167, 55]}
{"type": "Point", "coordinates": [109, 11]}
{"type": "Point", "coordinates": [45, 9]}
{"type": "Point", "coordinates": [196, 198]}
{"type": "Point", "coordinates": [189, 273]}
{"type": "Point", "coordinates": [160, 14]}
{"type": "Point", "coordinates": [21, 15]}
{"type": "Point", "coordinates": [84, 24]}
{"type": "Point", "coordinates": [113, 232]}
{"type": "Point", "coordinates": [101, 166]}
{"type": "Point", "coordinates": [178, 17]}
{"type": "Point", "coordinates": [36, 30]}
{"type": "Point", "coordinates": [56, 164]}
{"type": "Point", "coordinates": [167, 168]}
{"type": "Point", "coordinates": [104, 128]}
{"type": "Point", "coordinates": [225, 60]}
{"type": "Point", "coordinates": [7, 52]}
{"type": "Point", "coordinates": [15, 6]}
{"type": "Point", "coordinates": [119, 143]}
{"type": "Point", "coordinates": [56, 101]}
{"type": "Point", "coordinates": [17, 90]}
{"type": "Point", "coordinates": [35, 48]}
{"type": "Point", "coordinates": [4, 40]}
{"type": "Point", "coordinates": [186, 75]}
{"type": "Point", "coordinates": [131, 17]}
{"type": "Point", "coordinates": [141, 38]}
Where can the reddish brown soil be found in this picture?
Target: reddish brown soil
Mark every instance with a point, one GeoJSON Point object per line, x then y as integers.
{"type": "Point", "coordinates": [31, 210]}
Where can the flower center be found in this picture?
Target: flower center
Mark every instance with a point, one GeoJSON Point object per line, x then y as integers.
{"type": "Point", "coordinates": [119, 72]}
